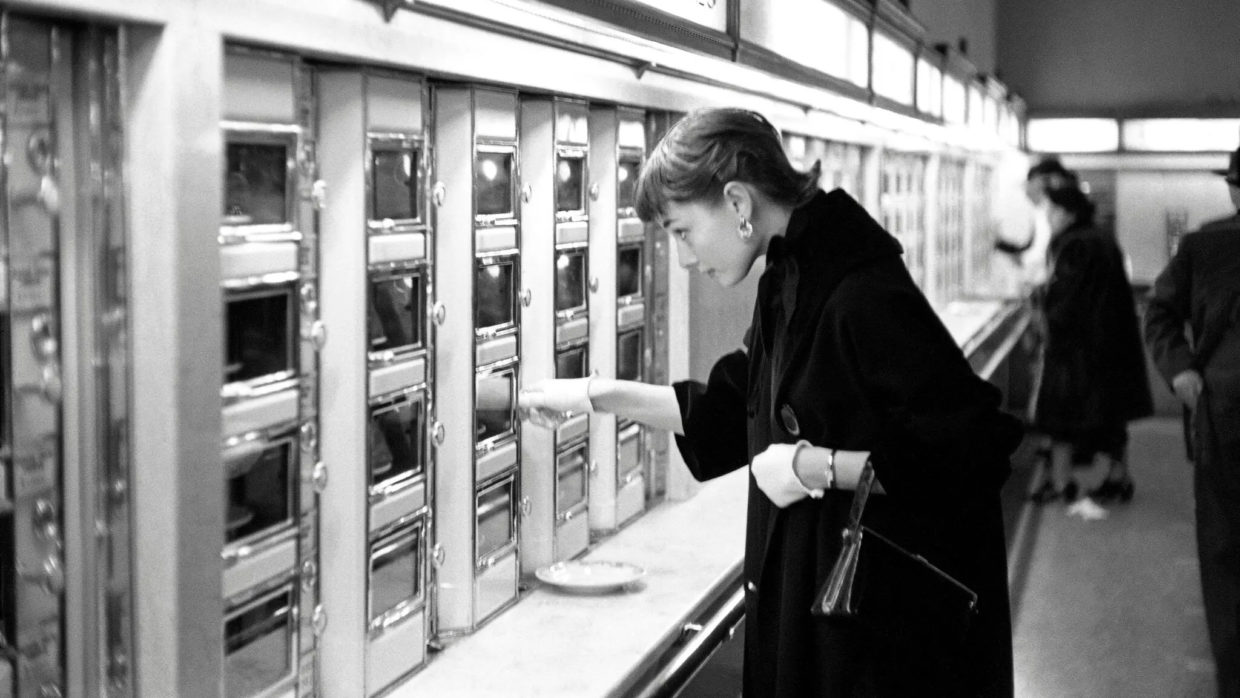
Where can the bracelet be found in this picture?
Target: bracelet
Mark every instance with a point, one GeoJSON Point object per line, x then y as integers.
{"type": "Point", "coordinates": [831, 469]}
{"type": "Point", "coordinates": [813, 493]}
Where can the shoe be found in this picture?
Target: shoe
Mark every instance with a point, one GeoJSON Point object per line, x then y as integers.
{"type": "Point", "coordinates": [1069, 492]}
{"type": "Point", "coordinates": [1120, 489]}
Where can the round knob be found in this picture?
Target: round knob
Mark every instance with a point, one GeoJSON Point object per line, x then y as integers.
{"type": "Point", "coordinates": [309, 436]}
{"type": "Point", "coordinates": [318, 194]}
{"type": "Point", "coordinates": [441, 313]}
{"type": "Point", "coordinates": [50, 384]}
{"type": "Point", "coordinates": [438, 555]}
{"type": "Point", "coordinates": [50, 576]}
{"type": "Point", "coordinates": [438, 193]}
{"type": "Point", "coordinates": [594, 192]}
{"type": "Point", "coordinates": [527, 297]}
{"type": "Point", "coordinates": [309, 574]}
{"type": "Point", "coordinates": [527, 193]}
{"type": "Point", "coordinates": [309, 299]}
{"type": "Point", "coordinates": [525, 506]}
{"type": "Point", "coordinates": [438, 433]}
{"type": "Point", "coordinates": [318, 477]}
{"type": "Point", "coordinates": [319, 620]}
{"type": "Point", "coordinates": [317, 335]}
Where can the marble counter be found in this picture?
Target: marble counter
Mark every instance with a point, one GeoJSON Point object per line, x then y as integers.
{"type": "Point", "coordinates": [555, 644]}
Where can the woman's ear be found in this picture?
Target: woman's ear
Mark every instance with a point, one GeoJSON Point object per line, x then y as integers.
{"type": "Point", "coordinates": [739, 197]}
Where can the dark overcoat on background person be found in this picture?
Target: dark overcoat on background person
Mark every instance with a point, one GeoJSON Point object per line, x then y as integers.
{"type": "Point", "coordinates": [1093, 365]}
{"type": "Point", "coordinates": [845, 352]}
{"type": "Point", "coordinates": [1200, 288]}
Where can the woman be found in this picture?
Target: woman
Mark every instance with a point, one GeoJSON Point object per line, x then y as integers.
{"type": "Point", "coordinates": [845, 362]}
{"type": "Point", "coordinates": [1093, 379]}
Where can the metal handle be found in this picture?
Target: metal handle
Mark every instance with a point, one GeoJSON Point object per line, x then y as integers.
{"type": "Point", "coordinates": [318, 476]}
{"type": "Point", "coordinates": [46, 527]}
{"type": "Point", "coordinates": [527, 193]}
{"type": "Point", "coordinates": [527, 297]}
{"type": "Point", "coordinates": [438, 433]}
{"type": "Point", "coordinates": [525, 506]}
{"type": "Point", "coordinates": [593, 467]}
{"type": "Point", "coordinates": [594, 285]}
{"type": "Point", "coordinates": [438, 555]}
{"type": "Point", "coordinates": [594, 192]}
{"type": "Point", "coordinates": [317, 335]}
{"type": "Point", "coordinates": [439, 193]}
{"type": "Point", "coordinates": [318, 194]}
{"type": "Point", "coordinates": [440, 313]}
{"type": "Point", "coordinates": [43, 340]}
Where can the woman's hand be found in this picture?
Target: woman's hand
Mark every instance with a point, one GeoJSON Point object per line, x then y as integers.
{"type": "Point", "coordinates": [774, 471]}
{"type": "Point", "coordinates": [558, 395]}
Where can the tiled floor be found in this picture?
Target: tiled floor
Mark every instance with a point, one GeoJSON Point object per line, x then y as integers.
{"type": "Point", "coordinates": [1113, 607]}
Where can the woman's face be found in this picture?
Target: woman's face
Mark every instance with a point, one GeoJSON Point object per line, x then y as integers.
{"type": "Point", "coordinates": [707, 240]}
{"type": "Point", "coordinates": [1058, 217]}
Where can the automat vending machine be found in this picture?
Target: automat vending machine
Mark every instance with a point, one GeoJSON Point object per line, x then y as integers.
{"type": "Point", "coordinates": [619, 324]}
{"type": "Point", "coordinates": [269, 290]}
{"type": "Point", "coordinates": [399, 348]}
{"type": "Point", "coordinates": [555, 200]}
{"type": "Point", "coordinates": [478, 496]}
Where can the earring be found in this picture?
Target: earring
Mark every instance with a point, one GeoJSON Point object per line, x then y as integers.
{"type": "Point", "coordinates": [745, 230]}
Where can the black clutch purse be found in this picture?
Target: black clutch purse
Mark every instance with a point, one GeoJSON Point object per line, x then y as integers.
{"type": "Point", "coordinates": [895, 594]}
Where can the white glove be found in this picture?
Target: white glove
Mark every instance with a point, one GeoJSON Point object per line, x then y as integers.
{"type": "Point", "coordinates": [773, 470]}
{"type": "Point", "coordinates": [558, 395]}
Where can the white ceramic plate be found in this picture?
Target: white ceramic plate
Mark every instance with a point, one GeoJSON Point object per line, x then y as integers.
{"type": "Point", "coordinates": [589, 577]}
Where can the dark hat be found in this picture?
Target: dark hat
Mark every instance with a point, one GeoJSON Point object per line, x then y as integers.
{"type": "Point", "coordinates": [1232, 173]}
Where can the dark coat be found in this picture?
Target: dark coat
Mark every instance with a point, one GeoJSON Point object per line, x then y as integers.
{"type": "Point", "coordinates": [1093, 366]}
{"type": "Point", "coordinates": [1200, 290]}
{"type": "Point", "coordinates": [845, 352]}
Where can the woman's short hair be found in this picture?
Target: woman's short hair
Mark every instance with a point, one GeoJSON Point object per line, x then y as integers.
{"type": "Point", "coordinates": [1074, 201]}
{"type": "Point", "coordinates": [711, 147]}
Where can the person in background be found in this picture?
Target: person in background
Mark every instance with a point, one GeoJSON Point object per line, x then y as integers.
{"type": "Point", "coordinates": [1093, 379]}
{"type": "Point", "coordinates": [1192, 328]}
{"type": "Point", "coordinates": [1047, 173]}
{"type": "Point", "coordinates": [845, 362]}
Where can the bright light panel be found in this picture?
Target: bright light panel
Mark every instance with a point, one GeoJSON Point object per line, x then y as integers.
{"type": "Point", "coordinates": [954, 100]}
{"type": "Point", "coordinates": [1182, 135]}
{"type": "Point", "coordinates": [1072, 135]}
{"type": "Point", "coordinates": [893, 69]}
{"type": "Point", "coordinates": [929, 88]}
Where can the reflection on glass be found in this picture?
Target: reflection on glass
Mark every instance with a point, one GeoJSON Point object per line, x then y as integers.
{"type": "Point", "coordinates": [570, 486]}
{"type": "Point", "coordinates": [570, 280]}
{"type": "Point", "coordinates": [571, 363]}
{"type": "Point", "coordinates": [395, 192]}
{"type": "Point", "coordinates": [258, 646]}
{"type": "Point", "coordinates": [260, 333]}
{"type": "Point", "coordinates": [626, 183]}
{"type": "Point", "coordinates": [395, 441]}
{"type": "Point", "coordinates": [493, 184]}
{"type": "Point", "coordinates": [495, 519]}
{"type": "Point", "coordinates": [569, 184]}
{"type": "Point", "coordinates": [494, 408]}
{"type": "Point", "coordinates": [394, 572]}
{"type": "Point", "coordinates": [495, 294]}
{"type": "Point", "coordinates": [397, 309]}
{"type": "Point", "coordinates": [260, 488]}
{"type": "Point", "coordinates": [255, 183]}
{"type": "Point", "coordinates": [629, 271]}
{"type": "Point", "coordinates": [629, 356]}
